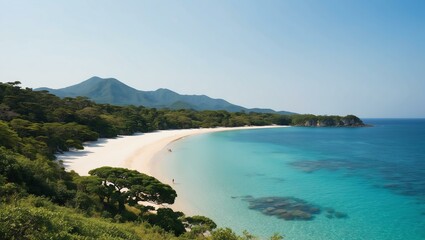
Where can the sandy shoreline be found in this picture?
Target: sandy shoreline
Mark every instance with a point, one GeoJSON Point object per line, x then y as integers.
{"type": "Point", "coordinates": [134, 152]}
{"type": "Point", "coordinates": [138, 152]}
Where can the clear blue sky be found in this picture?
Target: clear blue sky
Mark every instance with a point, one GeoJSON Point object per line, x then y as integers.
{"type": "Point", "coordinates": [365, 57]}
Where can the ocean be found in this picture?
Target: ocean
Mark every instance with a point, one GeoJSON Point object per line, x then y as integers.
{"type": "Point", "coordinates": [307, 183]}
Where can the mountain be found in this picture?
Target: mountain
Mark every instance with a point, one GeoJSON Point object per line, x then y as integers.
{"type": "Point", "coordinates": [112, 91]}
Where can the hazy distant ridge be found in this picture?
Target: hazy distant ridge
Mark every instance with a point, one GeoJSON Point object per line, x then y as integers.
{"type": "Point", "coordinates": [112, 91]}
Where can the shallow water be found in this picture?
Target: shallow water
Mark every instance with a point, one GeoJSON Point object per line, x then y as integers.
{"type": "Point", "coordinates": [368, 183]}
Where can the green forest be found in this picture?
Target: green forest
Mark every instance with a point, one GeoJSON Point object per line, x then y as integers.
{"type": "Point", "coordinates": [40, 200]}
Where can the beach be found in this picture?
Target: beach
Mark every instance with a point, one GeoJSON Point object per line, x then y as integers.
{"type": "Point", "coordinates": [135, 152]}
{"type": "Point", "coordinates": [139, 152]}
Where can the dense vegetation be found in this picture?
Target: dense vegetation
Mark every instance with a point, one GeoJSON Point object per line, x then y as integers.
{"type": "Point", "coordinates": [309, 120]}
{"type": "Point", "coordinates": [40, 200]}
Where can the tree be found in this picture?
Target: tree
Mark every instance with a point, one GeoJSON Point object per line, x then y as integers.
{"type": "Point", "coordinates": [8, 137]}
{"type": "Point", "coordinates": [120, 186]}
{"type": "Point", "coordinates": [248, 236]}
{"type": "Point", "coordinates": [276, 236]}
{"type": "Point", "coordinates": [10, 168]}
{"type": "Point", "coordinates": [91, 116]}
{"type": "Point", "coordinates": [6, 113]}
{"type": "Point", "coordinates": [199, 225]}
{"type": "Point", "coordinates": [224, 234]}
{"type": "Point", "coordinates": [169, 220]}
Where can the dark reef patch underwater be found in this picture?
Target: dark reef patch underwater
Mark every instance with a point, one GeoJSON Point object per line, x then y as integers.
{"type": "Point", "coordinates": [289, 208]}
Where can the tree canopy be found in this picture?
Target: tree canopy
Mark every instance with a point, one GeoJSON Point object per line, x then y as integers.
{"type": "Point", "coordinates": [121, 186]}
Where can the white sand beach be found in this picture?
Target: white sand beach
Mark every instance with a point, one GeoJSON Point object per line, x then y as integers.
{"type": "Point", "coordinates": [138, 152]}
{"type": "Point", "coordinates": [133, 152]}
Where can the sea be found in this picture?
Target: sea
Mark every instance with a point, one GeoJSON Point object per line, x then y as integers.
{"type": "Point", "coordinates": [307, 183]}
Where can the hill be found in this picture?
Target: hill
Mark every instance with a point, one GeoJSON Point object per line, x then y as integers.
{"type": "Point", "coordinates": [112, 91]}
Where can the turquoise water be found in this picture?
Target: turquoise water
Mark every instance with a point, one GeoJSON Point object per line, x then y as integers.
{"type": "Point", "coordinates": [374, 176]}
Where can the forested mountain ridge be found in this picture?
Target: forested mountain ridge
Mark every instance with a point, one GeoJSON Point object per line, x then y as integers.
{"type": "Point", "coordinates": [112, 91]}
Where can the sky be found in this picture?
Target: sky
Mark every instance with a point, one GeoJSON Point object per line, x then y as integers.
{"type": "Point", "coordinates": [362, 57]}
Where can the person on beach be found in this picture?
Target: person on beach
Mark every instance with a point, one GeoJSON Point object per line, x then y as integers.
{"type": "Point", "coordinates": [173, 180]}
